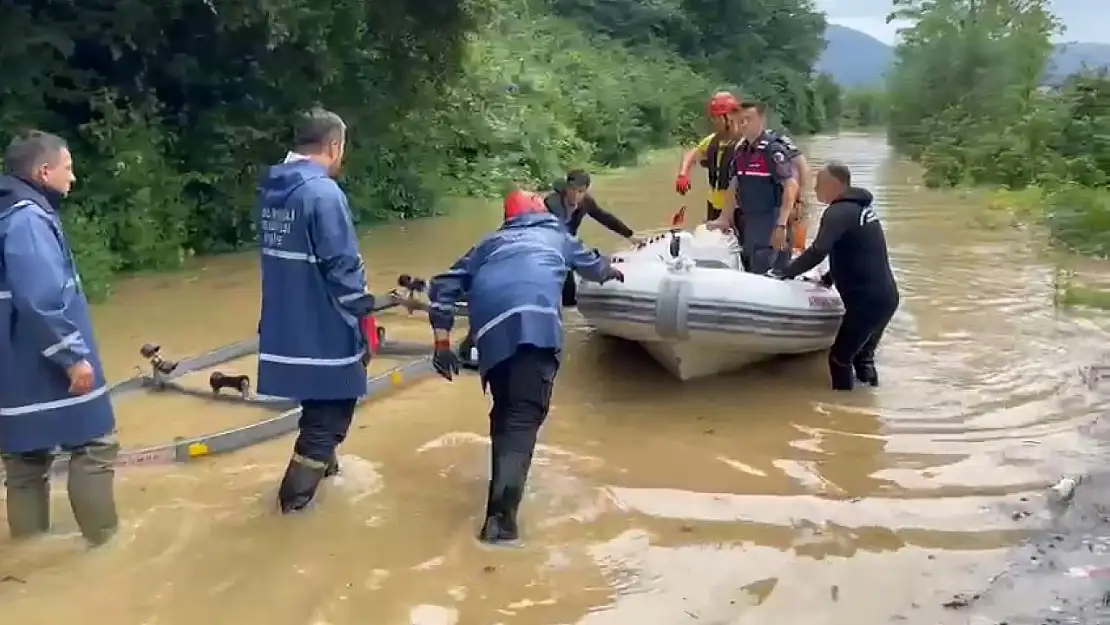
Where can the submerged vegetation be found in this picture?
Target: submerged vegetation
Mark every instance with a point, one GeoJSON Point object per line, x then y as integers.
{"type": "Point", "coordinates": [966, 98]}
{"type": "Point", "coordinates": [173, 108]}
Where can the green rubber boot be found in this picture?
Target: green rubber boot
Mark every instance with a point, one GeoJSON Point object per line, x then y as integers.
{"type": "Point", "coordinates": [28, 486]}
{"type": "Point", "coordinates": [91, 491]}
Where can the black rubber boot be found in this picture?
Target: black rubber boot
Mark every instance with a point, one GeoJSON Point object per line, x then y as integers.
{"type": "Point", "coordinates": [298, 486]}
{"type": "Point", "coordinates": [510, 473]}
{"type": "Point", "coordinates": [491, 526]}
{"type": "Point", "coordinates": [840, 375]}
{"type": "Point", "coordinates": [866, 372]}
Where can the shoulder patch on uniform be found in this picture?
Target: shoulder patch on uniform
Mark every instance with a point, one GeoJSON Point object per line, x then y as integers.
{"type": "Point", "coordinates": [778, 156]}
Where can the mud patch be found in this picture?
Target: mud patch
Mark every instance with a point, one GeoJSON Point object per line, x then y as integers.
{"type": "Point", "coordinates": [1061, 576]}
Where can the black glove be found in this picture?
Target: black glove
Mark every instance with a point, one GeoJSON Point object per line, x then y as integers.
{"type": "Point", "coordinates": [612, 274]}
{"type": "Point", "coordinates": [826, 280]}
{"type": "Point", "coordinates": [445, 360]}
{"type": "Point", "coordinates": [776, 274]}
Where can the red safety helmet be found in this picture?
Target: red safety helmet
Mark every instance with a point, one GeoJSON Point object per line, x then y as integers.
{"type": "Point", "coordinates": [722, 103]}
{"type": "Point", "coordinates": [519, 203]}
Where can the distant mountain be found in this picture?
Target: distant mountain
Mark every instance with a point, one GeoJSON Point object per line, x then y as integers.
{"type": "Point", "coordinates": [1069, 58]}
{"type": "Point", "coordinates": [855, 59]}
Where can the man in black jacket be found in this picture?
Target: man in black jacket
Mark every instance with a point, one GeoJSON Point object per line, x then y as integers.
{"type": "Point", "coordinates": [859, 266]}
{"type": "Point", "coordinates": [571, 201]}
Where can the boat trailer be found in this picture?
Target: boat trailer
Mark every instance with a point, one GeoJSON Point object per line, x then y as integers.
{"type": "Point", "coordinates": [164, 376]}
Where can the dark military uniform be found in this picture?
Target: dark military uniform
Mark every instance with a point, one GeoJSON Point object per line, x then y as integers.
{"type": "Point", "coordinates": [761, 168]}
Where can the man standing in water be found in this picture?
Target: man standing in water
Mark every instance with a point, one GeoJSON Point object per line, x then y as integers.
{"type": "Point", "coordinates": [571, 201]}
{"type": "Point", "coordinates": [511, 280]}
{"type": "Point", "coordinates": [859, 266]}
{"type": "Point", "coordinates": [314, 297]}
{"type": "Point", "coordinates": [763, 190]}
{"type": "Point", "coordinates": [52, 389]}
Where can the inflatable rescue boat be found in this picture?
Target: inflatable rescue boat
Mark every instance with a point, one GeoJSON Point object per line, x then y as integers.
{"type": "Point", "coordinates": [688, 301]}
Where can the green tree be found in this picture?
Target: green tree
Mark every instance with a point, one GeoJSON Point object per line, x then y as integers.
{"type": "Point", "coordinates": [964, 69]}
{"type": "Point", "coordinates": [966, 99]}
{"type": "Point", "coordinates": [767, 49]}
{"type": "Point", "coordinates": [175, 109]}
{"type": "Point", "coordinates": [864, 108]}
{"type": "Point", "coordinates": [831, 97]}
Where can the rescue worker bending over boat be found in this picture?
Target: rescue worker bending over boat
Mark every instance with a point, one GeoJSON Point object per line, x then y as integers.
{"type": "Point", "coordinates": [512, 280]}
{"type": "Point", "coordinates": [571, 201]}
{"type": "Point", "coordinates": [715, 152]}
{"type": "Point", "coordinates": [314, 295]}
{"type": "Point", "coordinates": [859, 266]}
{"type": "Point", "coordinates": [52, 389]}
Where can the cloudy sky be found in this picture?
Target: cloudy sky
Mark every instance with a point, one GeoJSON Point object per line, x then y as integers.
{"type": "Point", "coordinates": [1081, 17]}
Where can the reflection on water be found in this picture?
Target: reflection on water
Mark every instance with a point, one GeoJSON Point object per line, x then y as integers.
{"type": "Point", "coordinates": [759, 497]}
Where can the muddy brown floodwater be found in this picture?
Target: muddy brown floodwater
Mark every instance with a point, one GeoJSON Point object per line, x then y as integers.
{"type": "Point", "coordinates": [756, 498]}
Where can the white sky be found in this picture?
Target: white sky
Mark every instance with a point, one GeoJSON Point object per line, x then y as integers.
{"type": "Point", "coordinates": [1083, 19]}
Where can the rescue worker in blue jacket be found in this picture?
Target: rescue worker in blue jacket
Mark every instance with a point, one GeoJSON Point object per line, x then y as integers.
{"type": "Point", "coordinates": [52, 389]}
{"type": "Point", "coordinates": [571, 201]}
{"type": "Point", "coordinates": [512, 280]}
{"type": "Point", "coordinates": [763, 194]}
{"type": "Point", "coordinates": [851, 235]}
{"type": "Point", "coordinates": [314, 294]}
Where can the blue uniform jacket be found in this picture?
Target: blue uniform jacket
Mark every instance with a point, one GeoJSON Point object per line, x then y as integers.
{"type": "Point", "coordinates": [46, 328]}
{"type": "Point", "coordinates": [513, 283]}
{"type": "Point", "coordinates": [313, 287]}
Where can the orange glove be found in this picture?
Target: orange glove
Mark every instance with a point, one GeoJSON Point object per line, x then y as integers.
{"type": "Point", "coordinates": [682, 184]}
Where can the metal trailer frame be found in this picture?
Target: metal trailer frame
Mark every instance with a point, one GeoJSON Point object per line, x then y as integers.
{"type": "Point", "coordinates": [287, 412]}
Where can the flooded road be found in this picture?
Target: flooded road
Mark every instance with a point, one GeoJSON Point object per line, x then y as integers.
{"type": "Point", "coordinates": [756, 498]}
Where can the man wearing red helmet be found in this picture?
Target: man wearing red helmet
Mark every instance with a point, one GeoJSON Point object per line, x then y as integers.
{"type": "Point", "coordinates": [714, 152]}
{"type": "Point", "coordinates": [512, 282]}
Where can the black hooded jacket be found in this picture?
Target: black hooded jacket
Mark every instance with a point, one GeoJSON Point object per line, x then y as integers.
{"type": "Point", "coordinates": [851, 235]}
{"type": "Point", "coordinates": [589, 206]}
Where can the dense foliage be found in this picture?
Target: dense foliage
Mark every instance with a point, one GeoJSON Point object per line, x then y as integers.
{"type": "Point", "coordinates": [173, 108]}
{"type": "Point", "coordinates": [863, 108]}
{"type": "Point", "coordinates": [966, 99]}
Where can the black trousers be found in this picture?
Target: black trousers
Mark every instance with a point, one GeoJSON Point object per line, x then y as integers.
{"type": "Point", "coordinates": [324, 425]}
{"type": "Point", "coordinates": [570, 290]}
{"type": "Point", "coordinates": [865, 320]}
{"type": "Point", "coordinates": [521, 388]}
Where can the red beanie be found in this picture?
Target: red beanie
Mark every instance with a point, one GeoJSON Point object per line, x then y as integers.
{"type": "Point", "coordinates": [519, 203]}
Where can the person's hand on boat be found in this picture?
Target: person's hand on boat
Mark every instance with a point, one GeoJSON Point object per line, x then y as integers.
{"type": "Point", "coordinates": [682, 184]}
{"type": "Point", "coordinates": [826, 280]}
{"type": "Point", "coordinates": [637, 241]}
{"type": "Point", "coordinates": [613, 274]}
{"type": "Point", "coordinates": [775, 274]}
{"type": "Point", "coordinates": [445, 361]}
{"type": "Point", "coordinates": [81, 377]}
